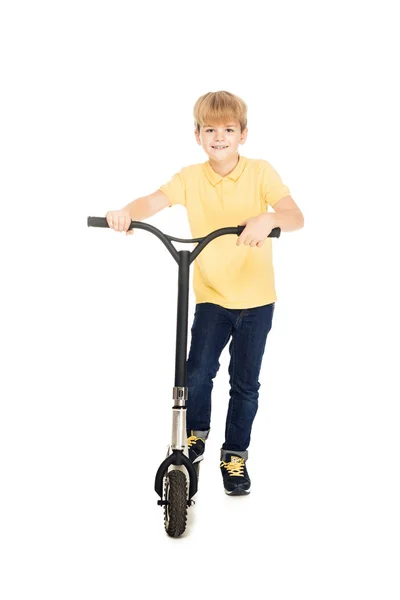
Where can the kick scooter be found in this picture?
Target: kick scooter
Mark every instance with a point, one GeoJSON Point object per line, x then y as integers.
{"type": "Point", "coordinates": [174, 473]}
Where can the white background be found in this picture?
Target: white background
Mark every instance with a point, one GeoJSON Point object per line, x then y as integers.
{"type": "Point", "coordinates": [97, 101]}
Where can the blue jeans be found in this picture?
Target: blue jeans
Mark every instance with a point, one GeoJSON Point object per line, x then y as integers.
{"type": "Point", "coordinates": [212, 327]}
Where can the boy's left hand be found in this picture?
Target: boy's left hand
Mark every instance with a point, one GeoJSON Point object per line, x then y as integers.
{"type": "Point", "coordinates": [257, 230]}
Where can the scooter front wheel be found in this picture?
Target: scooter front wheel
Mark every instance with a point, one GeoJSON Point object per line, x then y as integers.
{"type": "Point", "coordinates": [175, 509]}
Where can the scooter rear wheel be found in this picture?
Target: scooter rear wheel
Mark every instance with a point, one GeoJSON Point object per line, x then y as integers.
{"type": "Point", "coordinates": [175, 511]}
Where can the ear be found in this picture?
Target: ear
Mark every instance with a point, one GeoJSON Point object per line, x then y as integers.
{"type": "Point", "coordinates": [243, 136]}
{"type": "Point", "coordinates": [197, 136]}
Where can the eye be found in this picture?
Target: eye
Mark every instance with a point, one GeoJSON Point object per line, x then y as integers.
{"type": "Point", "coordinates": [228, 129]}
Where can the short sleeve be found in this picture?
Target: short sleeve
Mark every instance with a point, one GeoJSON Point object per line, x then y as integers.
{"type": "Point", "coordinates": [175, 189]}
{"type": "Point", "coordinates": [272, 188]}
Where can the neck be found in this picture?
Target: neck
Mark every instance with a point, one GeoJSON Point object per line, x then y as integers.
{"type": "Point", "coordinates": [225, 167]}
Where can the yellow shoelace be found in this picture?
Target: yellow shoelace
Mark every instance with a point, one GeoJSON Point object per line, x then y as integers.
{"type": "Point", "coordinates": [193, 439]}
{"type": "Point", "coordinates": [235, 468]}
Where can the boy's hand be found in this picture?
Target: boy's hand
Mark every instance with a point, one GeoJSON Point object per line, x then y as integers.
{"type": "Point", "coordinates": [119, 220]}
{"type": "Point", "coordinates": [257, 230]}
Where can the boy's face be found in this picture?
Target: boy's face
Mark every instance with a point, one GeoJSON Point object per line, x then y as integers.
{"type": "Point", "coordinates": [221, 141]}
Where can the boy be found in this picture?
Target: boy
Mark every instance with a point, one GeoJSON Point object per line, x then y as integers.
{"type": "Point", "coordinates": [233, 286]}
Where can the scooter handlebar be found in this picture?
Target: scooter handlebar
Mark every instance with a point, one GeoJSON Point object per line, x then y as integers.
{"type": "Point", "coordinates": [102, 222]}
{"type": "Point", "coordinates": [167, 239]}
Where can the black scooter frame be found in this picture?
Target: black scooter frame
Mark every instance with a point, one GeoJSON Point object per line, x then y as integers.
{"type": "Point", "coordinates": [184, 258]}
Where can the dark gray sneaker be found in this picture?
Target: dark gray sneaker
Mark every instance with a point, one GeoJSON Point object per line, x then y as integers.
{"type": "Point", "coordinates": [196, 446]}
{"type": "Point", "coordinates": [235, 476]}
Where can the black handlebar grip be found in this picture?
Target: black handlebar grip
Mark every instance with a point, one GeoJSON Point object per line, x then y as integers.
{"type": "Point", "coordinates": [97, 222]}
{"type": "Point", "coordinates": [275, 233]}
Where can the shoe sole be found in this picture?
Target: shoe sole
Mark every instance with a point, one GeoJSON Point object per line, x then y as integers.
{"type": "Point", "coordinates": [237, 492]}
{"type": "Point", "coordinates": [198, 459]}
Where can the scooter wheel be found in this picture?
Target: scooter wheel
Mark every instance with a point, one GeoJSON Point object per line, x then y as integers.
{"type": "Point", "coordinates": [175, 511]}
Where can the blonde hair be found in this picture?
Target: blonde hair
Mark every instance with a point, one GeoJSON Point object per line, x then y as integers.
{"type": "Point", "coordinates": [218, 107]}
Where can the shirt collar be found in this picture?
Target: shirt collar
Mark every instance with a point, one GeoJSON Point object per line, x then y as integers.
{"type": "Point", "coordinates": [234, 175]}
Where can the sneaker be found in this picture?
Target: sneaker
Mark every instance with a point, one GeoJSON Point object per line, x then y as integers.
{"type": "Point", "coordinates": [235, 475]}
{"type": "Point", "coordinates": [196, 446]}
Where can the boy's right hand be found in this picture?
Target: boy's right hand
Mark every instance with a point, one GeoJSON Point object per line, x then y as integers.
{"type": "Point", "coordinates": [119, 220]}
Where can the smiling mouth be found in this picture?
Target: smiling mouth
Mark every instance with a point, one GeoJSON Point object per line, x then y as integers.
{"type": "Point", "coordinates": [219, 147]}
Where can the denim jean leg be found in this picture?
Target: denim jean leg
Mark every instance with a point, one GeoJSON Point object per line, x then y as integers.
{"type": "Point", "coordinates": [211, 331]}
{"type": "Point", "coordinates": [246, 349]}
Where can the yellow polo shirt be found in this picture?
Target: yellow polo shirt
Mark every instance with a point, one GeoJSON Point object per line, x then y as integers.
{"type": "Point", "coordinates": [224, 273]}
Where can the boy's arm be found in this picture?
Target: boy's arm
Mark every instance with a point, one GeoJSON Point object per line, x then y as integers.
{"type": "Point", "coordinates": [287, 215]}
{"type": "Point", "coordinates": [147, 206]}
